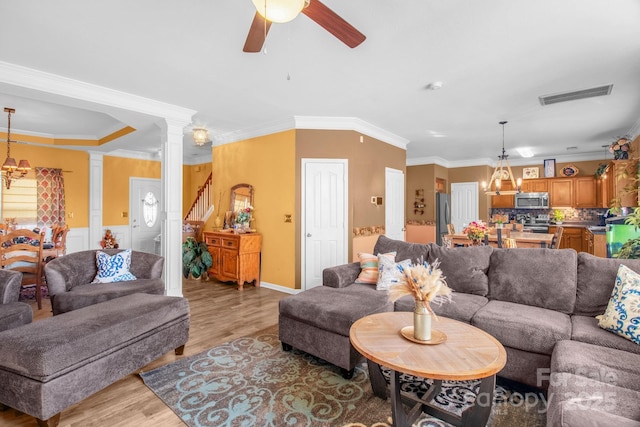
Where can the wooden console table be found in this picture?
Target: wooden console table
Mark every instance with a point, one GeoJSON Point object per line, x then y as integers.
{"type": "Point", "coordinates": [236, 257]}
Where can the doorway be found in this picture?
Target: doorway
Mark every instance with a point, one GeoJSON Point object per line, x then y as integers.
{"type": "Point", "coordinates": [394, 206]}
{"type": "Point", "coordinates": [464, 204]}
{"type": "Point", "coordinates": [324, 217]}
{"type": "Point", "coordinates": [144, 208]}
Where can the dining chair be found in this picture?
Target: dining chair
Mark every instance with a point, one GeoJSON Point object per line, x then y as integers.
{"type": "Point", "coordinates": [21, 250]}
{"type": "Point", "coordinates": [557, 237]}
{"type": "Point", "coordinates": [451, 229]}
{"type": "Point", "coordinates": [508, 242]}
{"type": "Point", "coordinates": [59, 239]}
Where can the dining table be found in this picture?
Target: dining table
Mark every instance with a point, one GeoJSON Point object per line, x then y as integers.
{"type": "Point", "coordinates": [522, 239]}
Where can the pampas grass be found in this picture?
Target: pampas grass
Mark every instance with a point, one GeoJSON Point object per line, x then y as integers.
{"type": "Point", "coordinates": [424, 282]}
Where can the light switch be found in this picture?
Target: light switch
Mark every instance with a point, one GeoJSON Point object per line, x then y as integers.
{"type": "Point", "coordinates": [125, 214]}
{"type": "Point", "coordinates": [287, 218]}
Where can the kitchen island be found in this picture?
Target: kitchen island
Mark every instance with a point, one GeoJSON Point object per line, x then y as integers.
{"type": "Point", "coordinates": [523, 240]}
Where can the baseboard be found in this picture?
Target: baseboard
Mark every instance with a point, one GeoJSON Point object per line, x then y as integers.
{"type": "Point", "coordinates": [279, 288]}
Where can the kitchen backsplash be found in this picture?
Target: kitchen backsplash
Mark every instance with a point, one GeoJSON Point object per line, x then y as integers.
{"type": "Point", "coordinates": [570, 214]}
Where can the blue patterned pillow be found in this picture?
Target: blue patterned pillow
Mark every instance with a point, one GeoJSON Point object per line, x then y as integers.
{"type": "Point", "coordinates": [622, 315]}
{"type": "Point", "coordinates": [113, 268]}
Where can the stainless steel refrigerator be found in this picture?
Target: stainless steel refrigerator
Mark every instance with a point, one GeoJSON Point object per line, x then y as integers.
{"type": "Point", "coordinates": [443, 215]}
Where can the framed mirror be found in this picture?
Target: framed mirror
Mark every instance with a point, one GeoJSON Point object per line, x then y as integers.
{"type": "Point", "coordinates": [241, 197]}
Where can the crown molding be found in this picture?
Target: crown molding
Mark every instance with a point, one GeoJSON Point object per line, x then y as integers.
{"type": "Point", "coordinates": [30, 78]}
{"type": "Point", "coordinates": [635, 129]}
{"type": "Point", "coordinates": [351, 123]}
{"type": "Point", "coordinates": [130, 154]}
{"type": "Point", "coordinates": [418, 161]}
{"type": "Point", "coordinates": [316, 123]}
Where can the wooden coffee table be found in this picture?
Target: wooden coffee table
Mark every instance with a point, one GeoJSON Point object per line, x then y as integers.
{"type": "Point", "coordinates": [467, 354]}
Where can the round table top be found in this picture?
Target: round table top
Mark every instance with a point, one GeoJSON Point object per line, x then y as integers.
{"type": "Point", "coordinates": [468, 352]}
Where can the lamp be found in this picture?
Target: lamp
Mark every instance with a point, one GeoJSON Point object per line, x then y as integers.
{"type": "Point", "coordinates": [200, 136]}
{"type": "Point", "coordinates": [280, 11]}
{"type": "Point", "coordinates": [12, 171]}
{"type": "Point", "coordinates": [501, 173]}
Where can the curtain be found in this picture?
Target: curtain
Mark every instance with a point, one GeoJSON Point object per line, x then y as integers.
{"type": "Point", "coordinates": [51, 203]}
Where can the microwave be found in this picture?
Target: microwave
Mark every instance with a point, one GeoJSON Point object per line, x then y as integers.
{"type": "Point", "coordinates": [532, 201]}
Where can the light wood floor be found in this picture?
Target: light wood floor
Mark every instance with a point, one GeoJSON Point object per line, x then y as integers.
{"type": "Point", "coordinates": [219, 313]}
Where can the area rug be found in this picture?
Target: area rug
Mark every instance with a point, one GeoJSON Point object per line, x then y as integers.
{"type": "Point", "coordinates": [29, 292]}
{"type": "Point", "coordinates": [251, 381]}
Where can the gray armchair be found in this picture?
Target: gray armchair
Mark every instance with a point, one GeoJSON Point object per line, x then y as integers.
{"type": "Point", "coordinates": [12, 312]}
{"type": "Point", "coordinates": [69, 279]}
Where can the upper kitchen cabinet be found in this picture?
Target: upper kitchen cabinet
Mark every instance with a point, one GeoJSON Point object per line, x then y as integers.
{"type": "Point", "coordinates": [585, 192]}
{"type": "Point", "coordinates": [534, 186]}
{"type": "Point", "coordinates": [561, 192]}
{"type": "Point", "coordinates": [611, 185]}
{"type": "Point", "coordinates": [504, 201]}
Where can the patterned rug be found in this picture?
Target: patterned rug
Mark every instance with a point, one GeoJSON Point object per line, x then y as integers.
{"type": "Point", "coordinates": [29, 292]}
{"type": "Point", "coordinates": [251, 382]}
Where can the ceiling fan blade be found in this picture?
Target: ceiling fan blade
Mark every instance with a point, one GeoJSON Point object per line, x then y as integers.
{"type": "Point", "coordinates": [333, 23]}
{"type": "Point", "coordinates": [257, 34]}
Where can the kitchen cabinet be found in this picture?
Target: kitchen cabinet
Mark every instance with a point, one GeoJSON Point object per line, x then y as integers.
{"type": "Point", "coordinates": [534, 186]}
{"type": "Point", "coordinates": [504, 201]}
{"type": "Point", "coordinates": [596, 243]}
{"type": "Point", "coordinates": [236, 257]}
{"type": "Point", "coordinates": [561, 192]}
{"type": "Point", "coordinates": [610, 187]}
{"type": "Point", "coordinates": [584, 195]}
{"type": "Point", "coordinates": [571, 238]}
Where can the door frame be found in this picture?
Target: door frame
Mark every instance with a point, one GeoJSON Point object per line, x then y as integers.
{"type": "Point", "coordinates": [303, 222]}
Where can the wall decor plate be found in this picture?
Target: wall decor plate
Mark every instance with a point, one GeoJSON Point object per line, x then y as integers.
{"type": "Point", "coordinates": [530, 173]}
{"type": "Point", "coordinates": [569, 170]}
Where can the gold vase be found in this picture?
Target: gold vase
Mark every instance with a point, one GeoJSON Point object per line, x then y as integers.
{"type": "Point", "coordinates": [421, 322]}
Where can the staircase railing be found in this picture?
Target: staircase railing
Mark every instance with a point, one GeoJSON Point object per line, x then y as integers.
{"type": "Point", "coordinates": [201, 208]}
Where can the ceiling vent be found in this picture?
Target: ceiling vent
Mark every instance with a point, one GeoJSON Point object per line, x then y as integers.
{"type": "Point", "coordinates": [578, 94]}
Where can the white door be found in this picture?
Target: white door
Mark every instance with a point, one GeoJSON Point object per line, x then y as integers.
{"type": "Point", "coordinates": [394, 205]}
{"type": "Point", "coordinates": [144, 208]}
{"type": "Point", "coordinates": [464, 204]}
{"type": "Point", "coordinates": [324, 217]}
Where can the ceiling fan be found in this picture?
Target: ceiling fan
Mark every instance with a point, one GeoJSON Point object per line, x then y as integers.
{"type": "Point", "coordinates": [268, 11]}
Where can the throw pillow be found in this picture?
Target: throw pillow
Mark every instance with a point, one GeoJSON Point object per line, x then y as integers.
{"type": "Point", "coordinates": [113, 268]}
{"type": "Point", "coordinates": [622, 315]}
{"type": "Point", "coordinates": [369, 268]}
{"type": "Point", "coordinates": [389, 271]}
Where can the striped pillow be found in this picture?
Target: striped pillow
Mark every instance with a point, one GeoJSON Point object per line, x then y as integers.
{"type": "Point", "coordinates": [369, 268]}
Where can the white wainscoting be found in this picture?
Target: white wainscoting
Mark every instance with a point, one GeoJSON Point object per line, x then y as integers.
{"type": "Point", "coordinates": [78, 238]}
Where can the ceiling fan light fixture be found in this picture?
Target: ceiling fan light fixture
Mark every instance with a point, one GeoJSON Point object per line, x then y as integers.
{"type": "Point", "coordinates": [279, 11]}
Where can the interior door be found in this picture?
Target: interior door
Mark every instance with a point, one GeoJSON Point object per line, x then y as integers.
{"type": "Point", "coordinates": [144, 208]}
{"type": "Point", "coordinates": [324, 213]}
{"type": "Point", "coordinates": [464, 204]}
{"type": "Point", "coordinates": [394, 206]}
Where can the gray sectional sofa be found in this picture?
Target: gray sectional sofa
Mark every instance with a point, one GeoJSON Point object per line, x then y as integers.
{"type": "Point", "coordinates": [539, 303]}
{"type": "Point", "coordinates": [13, 313]}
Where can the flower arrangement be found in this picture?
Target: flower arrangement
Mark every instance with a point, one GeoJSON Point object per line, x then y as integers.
{"type": "Point", "coordinates": [475, 230]}
{"type": "Point", "coordinates": [244, 215]}
{"type": "Point", "coordinates": [108, 241]}
{"type": "Point", "coordinates": [558, 216]}
{"type": "Point", "coordinates": [424, 282]}
{"type": "Point", "coordinates": [620, 148]}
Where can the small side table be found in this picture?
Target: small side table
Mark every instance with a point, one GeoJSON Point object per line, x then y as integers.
{"type": "Point", "coordinates": [468, 353]}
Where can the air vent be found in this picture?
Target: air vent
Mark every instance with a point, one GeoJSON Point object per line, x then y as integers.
{"type": "Point", "coordinates": [578, 94]}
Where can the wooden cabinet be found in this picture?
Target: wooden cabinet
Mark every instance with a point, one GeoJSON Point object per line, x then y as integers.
{"type": "Point", "coordinates": [535, 186]}
{"type": "Point", "coordinates": [584, 192]}
{"type": "Point", "coordinates": [561, 192]}
{"type": "Point", "coordinates": [596, 243]}
{"type": "Point", "coordinates": [504, 201]}
{"type": "Point", "coordinates": [571, 238]}
{"type": "Point", "coordinates": [610, 187]}
{"type": "Point", "coordinates": [236, 257]}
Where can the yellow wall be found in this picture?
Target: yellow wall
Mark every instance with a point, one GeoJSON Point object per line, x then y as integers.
{"type": "Point", "coordinates": [75, 167]}
{"type": "Point", "coordinates": [267, 163]}
{"type": "Point", "coordinates": [115, 178]}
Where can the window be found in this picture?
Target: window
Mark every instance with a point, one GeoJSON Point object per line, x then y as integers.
{"type": "Point", "coordinates": [21, 200]}
{"type": "Point", "coordinates": [150, 209]}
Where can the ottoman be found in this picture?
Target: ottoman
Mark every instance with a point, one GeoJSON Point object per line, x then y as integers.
{"type": "Point", "coordinates": [317, 321]}
{"type": "Point", "coordinates": [49, 365]}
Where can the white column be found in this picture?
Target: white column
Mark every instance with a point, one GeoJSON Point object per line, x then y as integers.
{"type": "Point", "coordinates": [172, 205]}
{"type": "Point", "coordinates": [95, 199]}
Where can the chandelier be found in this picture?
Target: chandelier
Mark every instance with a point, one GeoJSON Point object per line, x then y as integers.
{"type": "Point", "coordinates": [502, 172]}
{"type": "Point", "coordinates": [12, 171]}
{"type": "Point", "coordinates": [200, 136]}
